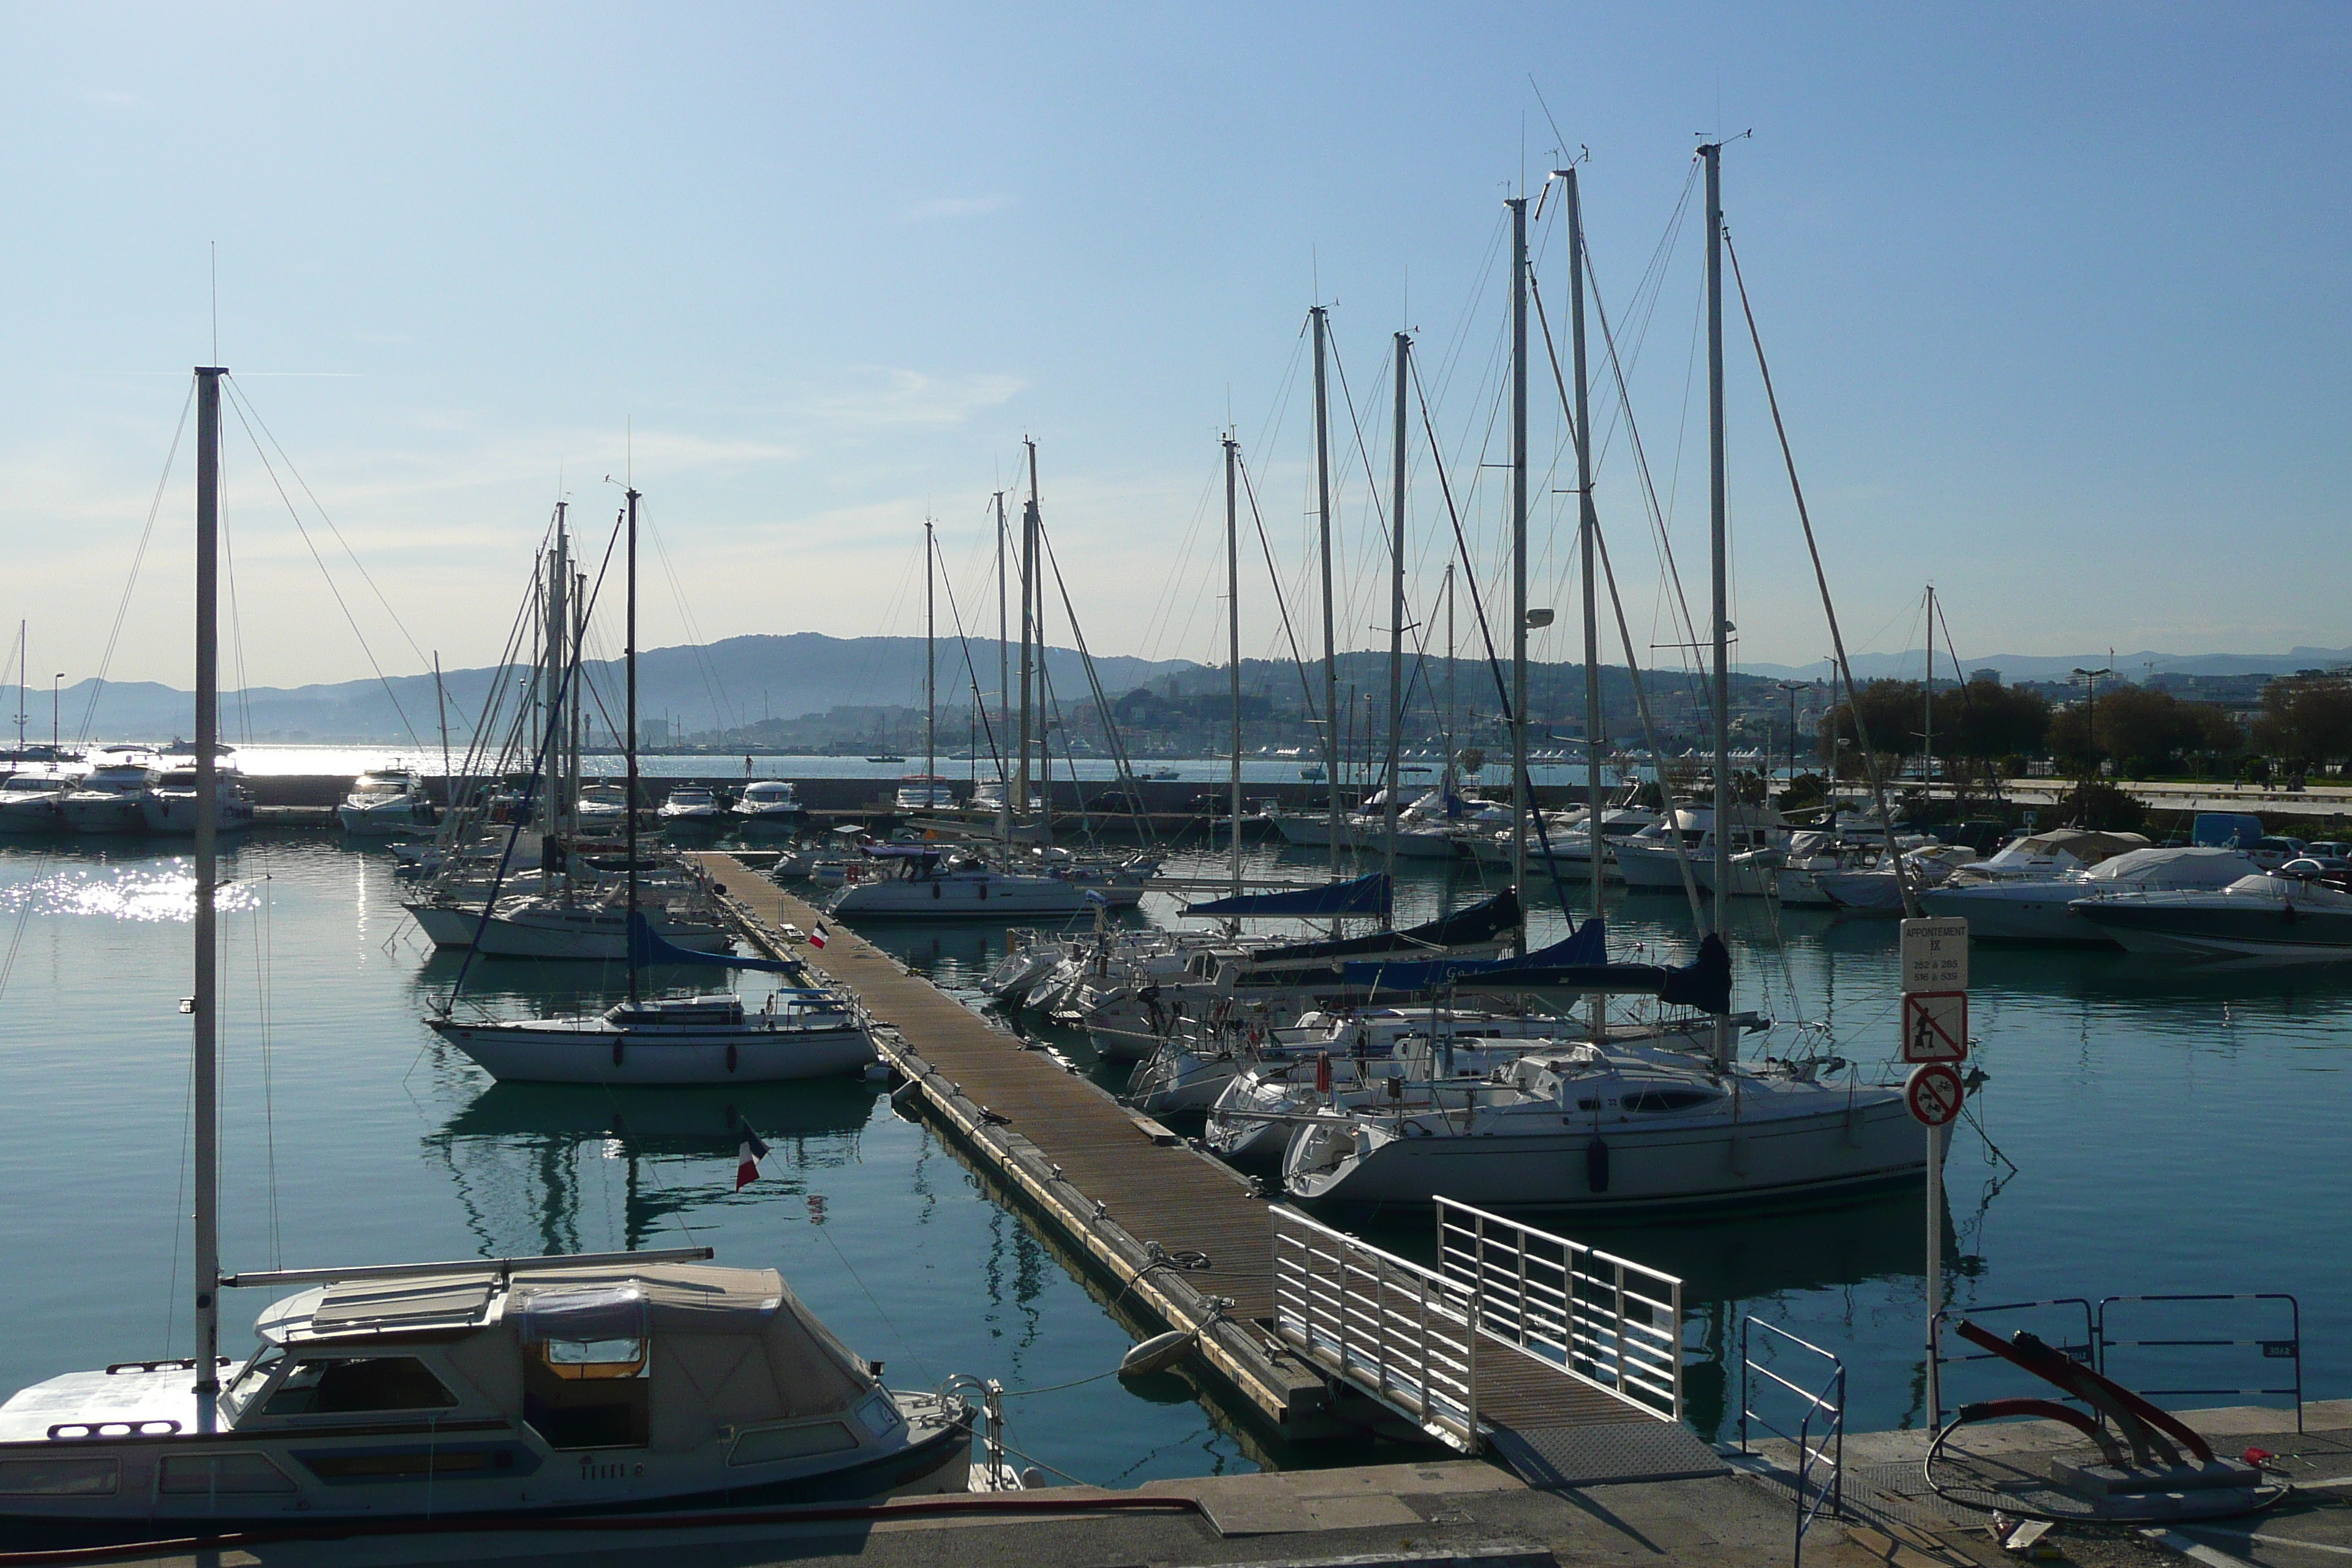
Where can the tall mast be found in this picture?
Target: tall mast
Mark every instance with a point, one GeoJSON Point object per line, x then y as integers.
{"type": "Point", "coordinates": [1587, 527]}
{"type": "Point", "coordinates": [1396, 607]}
{"type": "Point", "coordinates": [206, 1109]}
{"type": "Point", "coordinates": [1233, 651]}
{"type": "Point", "coordinates": [1520, 805]}
{"type": "Point", "coordinates": [24, 692]}
{"type": "Point", "coordinates": [1331, 757]}
{"type": "Point", "coordinates": [1713, 154]}
{"type": "Point", "coordinates": [1927, 724]}
{"type": "Point", "coordinates": [557, 642]}
{"type": "Point", "coordinates": [1028, 563]}
{"type": "Point", "coordinates": [1446, 775]}
{"type": "Point", "coordinates": [629, 662]}
{"type": "Point", "coordinates": [1032, 616]}
{"type": "Point", "coordinates": [1004, 682]}
{"type": "Point", "coordinates": [930, 667]}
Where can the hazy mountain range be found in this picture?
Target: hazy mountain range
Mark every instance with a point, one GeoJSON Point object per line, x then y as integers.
{"type": "Point", "coordinates": [740, 680]}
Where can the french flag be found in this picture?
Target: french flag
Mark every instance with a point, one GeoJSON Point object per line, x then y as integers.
{"type": "Point", "coordinates": [817, 934]}
{"type": "Point", "coordinates": [748, 1156]}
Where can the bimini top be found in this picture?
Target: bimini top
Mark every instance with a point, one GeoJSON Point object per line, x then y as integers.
{"type": "Point", "coordinates": [660, 1298]}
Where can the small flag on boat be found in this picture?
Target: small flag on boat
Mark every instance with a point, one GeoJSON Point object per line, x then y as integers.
{"type": "Point", "coordinates": [747, 1157]}
{"type": "Point", "coordinates": [817, 934]}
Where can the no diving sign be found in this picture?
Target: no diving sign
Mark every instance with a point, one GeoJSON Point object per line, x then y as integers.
{"type": "Point", "coordinates": [1936, 1027]}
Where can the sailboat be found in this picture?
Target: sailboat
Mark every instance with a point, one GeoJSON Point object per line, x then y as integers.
{"type": "Point", "coordinates": [802, 1032]}
{"type": "Point", "coordinates": [491, 1388]}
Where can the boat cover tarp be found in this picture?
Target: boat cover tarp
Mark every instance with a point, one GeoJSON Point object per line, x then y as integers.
{"type": "Point", "coordinates": [1479, 922]}
{"type": "Point", "coordinates": [1704, 983]}
{"type": "Point", "coordinates": [1587, 946]}
{"type": "Point", "coordinates": [1363, 895]}
{"type": "Point", "coordinates": [620, 1302]}
{"type": "Point", "coordinates": [647, 946]}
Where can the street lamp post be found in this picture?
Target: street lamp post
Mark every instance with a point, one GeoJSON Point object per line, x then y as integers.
{"type": "Point", "coordinates": [1791, 688]}
{"type": "Point", "coordinates": [2091, 711]}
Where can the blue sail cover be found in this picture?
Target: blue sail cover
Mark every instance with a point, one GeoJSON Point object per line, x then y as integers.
{"type": "Point", "coordinates": [1587, 946]}
{"type": "Point", "coordinates": [646, 946]}
{"type": "Point", "coordinates": [1364, 895]}
{"type": "Point", "coordinates": [1704, 983]}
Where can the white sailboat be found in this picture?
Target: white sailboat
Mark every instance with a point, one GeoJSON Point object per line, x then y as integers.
{"type": "Point", "coordinates": [482, 1387]}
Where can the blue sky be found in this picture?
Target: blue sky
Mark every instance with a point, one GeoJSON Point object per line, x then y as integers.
{"type": "Point", "coordinates": [2054, 296]}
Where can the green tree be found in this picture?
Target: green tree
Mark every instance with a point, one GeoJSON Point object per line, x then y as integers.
{"type": "Point", "coordinates": [2306, 719]}
{"type": "Point", "coordinates": [2146, 731]}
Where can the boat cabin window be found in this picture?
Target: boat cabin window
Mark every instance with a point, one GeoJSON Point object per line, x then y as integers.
{"type": "Point", "coordinates": [1665, 1100]}
{"type": "Point", "coordinates": [360, 1386]}
{"type": "Point", "coordinates": [588, 1393]}
{"type": "Point", "coordinates": [209, 1474]}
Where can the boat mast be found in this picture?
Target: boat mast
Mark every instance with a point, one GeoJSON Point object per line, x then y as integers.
{"type": "Point", "coordinates": [206, 1109]}
{"type": "Point", "coordinates": [1003, 685]}
{"type": "Point", "coordinates": [1396, 608]}
{"type": "Point", "coordinates": [441, 706]}
{"type": "Point", "coordinates": [1445, 777]}
{"type": "Point", "coordinates": [24, 694]}
{"type": "Point", "coordinates": [1033, 617]}
{"type": "Point", "coordinates": [1520, 805]}
{"type": "Point", "coordinates": [930, 667]}
{"type": "Point", "coordinates": [1331, 758]}
{"type": "Point", "coordinates": [1927, 722]}
{"type": "Point", "coordinates": [557, 641]}
{"type": "Point", "coordinates": [1233, 650]}
{"type": "Point", "coordinates": [1020, 805]}
{"type": "Point", "coordinates": [1713, 154]}
{"type": "Point", "coordinates": [629, 662]}
{"type": "Point", "coordinates": [1587, 527]}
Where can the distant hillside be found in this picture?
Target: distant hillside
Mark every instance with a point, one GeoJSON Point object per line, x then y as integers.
{"type": "Point", "coordinates": [2058, 667]}
{"type": "Point", "coordinates": [721, 685]}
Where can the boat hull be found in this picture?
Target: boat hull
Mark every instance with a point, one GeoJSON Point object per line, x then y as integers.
{"type": "Point", "coordinates": [2274, 935]}
{"type": "Point", "coordinates": [597, 1053]}
{"type": "Point", "coordinates": [585, 936]}
{"type": "Point", "coordinates": [103, 813]}
{"type": "Point", "coordinates": [1017, 898]}
{"type": "Point", "coordinates": [2039, 915]}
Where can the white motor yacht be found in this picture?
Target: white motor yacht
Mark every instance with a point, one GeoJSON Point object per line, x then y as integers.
{"type": "Point", "coordinates": [692, 806]}
{"type": "Point", "coordinates": [800, 1033]}
{"type": "Point", "coordinates": [769, 803]}
{"type": "Point", "coordinates": [925, 791]}
{"type": "Point", "coordinates": [28, 803]}
{"type": "Point", "coordinates": [110, 798]}
{"type": "Point", "coordinates": [2021, 909]}
{"type": "Point", "coordinates": [930, 881]}
{"type": "Point", "coordinates": [1617, 1127]}
{"type": "Point", "coordinates": [1872, 889]}
{"type": "Point", "coordinates": [386, 801]}
{"type": "Point", "coordinates": [602, 809]}
{"type": "Point", "coordinates": [1647, 859]}
{"type": "Point", "coordinates": [2292, 915]}
{"type": "Point", "coordinates": [170, 805]}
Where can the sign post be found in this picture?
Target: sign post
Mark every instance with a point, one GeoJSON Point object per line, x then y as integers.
{"type": "Point", "coordinates": [1935, 1035]}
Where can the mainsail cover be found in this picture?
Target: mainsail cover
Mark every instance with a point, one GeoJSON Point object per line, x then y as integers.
{"type": "Point", "coordinates": [1484, 922]}
{"type": "Point", "coordinates": [1363, 895]}
{"type": "Point", "coordinates": [646, 946]}
{"type": "Point", "coordinates": [1587, 946]}
{"type": "Point", "coordinates": [1704, 983]}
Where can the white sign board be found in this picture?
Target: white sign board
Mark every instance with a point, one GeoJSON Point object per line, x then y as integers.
{"type": "Point", "coordinates": [1936, 1027]}
{"type": "Point", "coordinates": [1936, 954]}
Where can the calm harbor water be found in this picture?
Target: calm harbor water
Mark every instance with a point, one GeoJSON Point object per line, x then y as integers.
{"type": "Point", "coordinates": [2170, 1132]}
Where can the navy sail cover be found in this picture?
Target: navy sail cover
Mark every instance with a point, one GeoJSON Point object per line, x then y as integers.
{"type": "Point", "coordinates": [1411, 972]}
{"type": "Point", "coordinates": [1363, 895]}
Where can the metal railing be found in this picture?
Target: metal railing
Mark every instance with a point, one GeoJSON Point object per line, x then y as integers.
{"type": "Point", "coordinates": [1819, 1435]}
{"type": "Point", "coordinates": [2082, 1347]}
{"type": "Point", "coordinates": [1401, 1333]}
{"type": "Point", "coordinates": [1610, 1322]}
{"type": "Point", "coordinates": [2289, 1349]}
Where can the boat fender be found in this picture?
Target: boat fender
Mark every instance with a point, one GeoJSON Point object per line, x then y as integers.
{"type": "Point", "coordinates": [616, 1050]}
{"type": "Point", "coordinates": [900, 1095]}
{"type": "Point", "coordinates": [1157, 1353]}
{"type": "Point", "coordinates": [730, 1056]}
{"type": "Point", "coordinates": [1596, 1165]}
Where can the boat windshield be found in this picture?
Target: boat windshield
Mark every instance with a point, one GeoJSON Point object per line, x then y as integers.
{"type": "Point", "coordinates": [380, 788]}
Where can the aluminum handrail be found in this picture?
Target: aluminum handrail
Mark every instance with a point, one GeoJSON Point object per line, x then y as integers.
{"type": "Point", "coordinates": [2289, 1349]}
{"type": "Point", "coordinates": [1607, 1321]}
{"type": "Point", "coordinates": [2085, 1350]}
{"type": "Point", "coordinates": [1827, 1405]}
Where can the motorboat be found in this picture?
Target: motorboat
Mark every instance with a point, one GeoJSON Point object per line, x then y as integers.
{"type": "Point", "coordinates": [386, 801]}
{"type": "Point", "coordinates": [2044, 856]}
{"type": "Point", "coordinates": [693, 805]}
{"type": "Point", "coordinates": [767, 804]}
{"type": "Point", "coordinates": [1610, 1127]}
{"type": "Point", "coordinates": [170, 805]}
{"type": "Point", "coordinates": [925, 791]}
{"type": "Point", "coordinates": [28, 803]}
{"type": "Point", "coordinates": [110, 798]}
{"type": "Point", "coordinates": [802, 1033]}
{"type": "Point", "coordinates": [1873, 889]}
{"type": "Point", "coordinates": [932, 882]}
{"type": "Point", "coordinates": [602, 808]}
{"type": "Point", "coordinates": [2024, 909]}
{"type": "Point", "coordinates": [540, 1386]}
{"type": "Point", "coordinates": [1648, 861]}
{"type": "Point", "coordinates": [2292, 915]}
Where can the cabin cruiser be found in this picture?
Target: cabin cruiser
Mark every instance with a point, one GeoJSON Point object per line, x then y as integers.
{"type": "Point", "coordinates": [932, 882]}
{"type": "Point", "coordinates": [554, 1385]}
{"type": "Point", "coordinates": [602, 808]}
{"type": "Point", "coordinates": [1648, 861]}
{"type": "Point", "coordinates": [28, 803]}
{"type": "Point", "coordinates": [1121, 881]}
{"type": "Point", "coordinates": [170, 805]}
{"type": "Point", "coordinates": [692, 806]}
{"type": "Point", "coordinates": [802, 1033]}
{"type": "Point", "coordinates": [110, 798]}
{"type": "Point", "coordinates": [2021, 909]}
{"type": "Point", "coordinates": [924, 791]}
{"type": "Point", "coordinates": [1873, 889]}
{"type": "Point", "coordinates": [386, 801]}
{"type": "Point", "coordinates": [2292, 915]}
{"type": "Point", "coordinates": [769, 803]}
{"type": "Point", "coordinates": [1611, 1127]}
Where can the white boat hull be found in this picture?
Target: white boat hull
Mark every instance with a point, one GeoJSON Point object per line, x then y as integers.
{"type": "Point", "coordinates": [103, 813]}
{"type": "Point", "coordinates": [2039, 914]}
{"type": "Point", "coordinates": [31, 814]}
{"type": "Point", "coordinates": [177, 813]}
{"type": "Point", "coordinates": [404, 817]}
{"type": "Point", "coordinates": [589, 935]}
{"type": "Point", "coordinates": [586, 1053]}
{"type": "Point", "coordinates": [951, 897]}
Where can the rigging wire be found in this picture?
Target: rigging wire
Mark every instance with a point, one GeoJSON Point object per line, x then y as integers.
{"type": "Point", "coordinates": [122, 609]}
